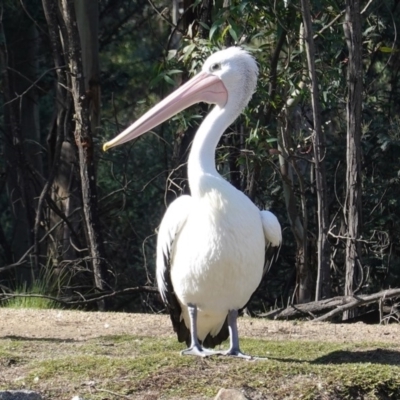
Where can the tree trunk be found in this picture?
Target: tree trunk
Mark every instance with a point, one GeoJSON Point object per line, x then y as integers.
{"type": "Point", "coordinates": [62, 180]}
{"type": "Point", "coordinates": [87, 14]}
{"type": "Point", "coordinates": [84, 142]}
{"type": "Point", "coordinates": [323, 287]}
{"type": "Point", "coordinates": [352, 30]}
{"type": "Point", "coordinates": [288, 166]}
{"type": "Point", "coordinates": [298, 225]}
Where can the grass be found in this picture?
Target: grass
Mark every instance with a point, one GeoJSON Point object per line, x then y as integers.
{"type": "Point", "coordinates": [30, 302]}
{"type": "Point", "coordinates": [136, 367]}
{"type": "Point", "coordinates": [46, 283]}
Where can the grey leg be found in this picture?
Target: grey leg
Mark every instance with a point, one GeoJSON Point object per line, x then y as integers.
{"type": "Point", "coordinates": [195, 348]}
{"type": "Point", "coordinates": [234, 349]}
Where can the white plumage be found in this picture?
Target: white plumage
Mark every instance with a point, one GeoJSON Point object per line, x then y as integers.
{"type": "Point", "coordinates": [211, 245]}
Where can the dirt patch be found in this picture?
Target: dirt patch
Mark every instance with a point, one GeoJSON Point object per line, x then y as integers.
{"type": "Point", "coordinates": [62, 354]}
{"type": "Point", "coordinates": [79, 325]}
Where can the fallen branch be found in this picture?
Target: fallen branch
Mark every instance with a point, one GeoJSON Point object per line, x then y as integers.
{"type": "Point", "coordinates": [304, 310]}
{"type": "Point", "coordinates": [358, 301]}
{"type": "Point", "coordinates": [334, 306]}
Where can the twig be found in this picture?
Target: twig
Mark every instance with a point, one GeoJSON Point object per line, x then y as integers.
{"type": "Point", "coordinates": [347, 237]}
{"type": "Point", "coordinates": [379, 202]}
{"type": "Point", "coordinates": [33, 83]}
{"type": "Point", "coordinates": [22, 260]}
{"type": "Point", "coordinates": [161, 14]}
{"type": "Point", "coordinates": [367, 5]}
{"type": "Point", "coordinates": [32, 19]}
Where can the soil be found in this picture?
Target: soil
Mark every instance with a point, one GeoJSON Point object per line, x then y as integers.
{"type": "Point", "coordinates": [61, 332]}
{"type": "Point", "coordinates": [79, 325]}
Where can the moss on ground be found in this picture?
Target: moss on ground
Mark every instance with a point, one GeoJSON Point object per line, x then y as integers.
{"type": "Point", "coordinates": [141, 366]}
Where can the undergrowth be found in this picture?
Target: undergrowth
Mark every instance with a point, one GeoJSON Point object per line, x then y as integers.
{"type": "Point", "coordinates": [23, 295]}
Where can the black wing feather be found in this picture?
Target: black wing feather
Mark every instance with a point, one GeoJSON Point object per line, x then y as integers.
{"type": "Point", "coordinates": [173, 306]}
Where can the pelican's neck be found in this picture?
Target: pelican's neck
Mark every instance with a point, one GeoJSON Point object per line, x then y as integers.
{"type": "Point", "coordinates": [201, 163]}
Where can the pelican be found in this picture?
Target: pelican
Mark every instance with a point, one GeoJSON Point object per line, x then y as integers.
{"type": "Point", "coordinates": [211, 246]}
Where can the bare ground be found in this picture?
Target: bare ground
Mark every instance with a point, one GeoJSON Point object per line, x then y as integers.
{"type": "Point", "coordinates": [46, 334]}
{"type": "Point", "coordinates": [79, 325]}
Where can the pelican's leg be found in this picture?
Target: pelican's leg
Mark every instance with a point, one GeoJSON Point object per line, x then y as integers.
{"type": "Point", "coordinates": [234, 349]}
{"type": "Point", "coordinates": [195, 348]}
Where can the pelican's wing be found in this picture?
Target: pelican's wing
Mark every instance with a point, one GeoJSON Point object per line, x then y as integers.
{"type": "Point", "coordinates": [273, 238]}
{"type": "Point", "coordinates": [172, 223]}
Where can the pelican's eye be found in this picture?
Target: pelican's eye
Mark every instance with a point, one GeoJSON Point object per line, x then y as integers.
{"type": "Point", "coordinates": [215, 67]}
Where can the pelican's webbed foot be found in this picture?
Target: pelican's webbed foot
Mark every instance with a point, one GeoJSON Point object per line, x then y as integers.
{"type": "Point", "coordinates": [236, 353]}
{"type": "Point", "coordinates": [198, 351]}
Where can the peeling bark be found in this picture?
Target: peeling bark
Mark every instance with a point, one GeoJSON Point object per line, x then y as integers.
{"type": "Point", "coordinates": [352, 30]}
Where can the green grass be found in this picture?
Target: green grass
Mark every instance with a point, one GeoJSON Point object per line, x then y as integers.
{"type": "Point", "coordinates": [30, 302]}
{"type": "Point", "coordinates": [46, 283]}
{"type": "Point", "coordinates": [138, 366]}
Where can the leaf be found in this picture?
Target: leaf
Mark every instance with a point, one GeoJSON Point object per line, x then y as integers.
{"type": "Point", "coordinates": [212, 31]}
{"type": "Point", "coordinates": [233, 34]}
{"type": "Point", "coordinates": [225, 31]}
{"type": "Point", "coordinates": [171, 54]}
{"type": "Point", "coordinates": [188, 51]}
{"type": "Point", "coordinates": [169, 80]}
{"type": "Point", "coordinates": [242, 6]}
{"type": "Point", "coordinates": [385, 49]}
{"type": "Point", "coordinates": [204, 25]}
{"type": "Point", "coordinates": [174, 71]}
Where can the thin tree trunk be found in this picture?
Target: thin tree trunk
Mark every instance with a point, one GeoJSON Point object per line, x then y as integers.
{"type": "Point", "coordinates": [352, 30]}
{"type": "Point", "coordinates": [84, 142]}
{"type": "Point", "coordinates": [63, 155]}
{"type": "Point", "coordinates": [87, 14]}
{"type": "Point", "coordinates": [323, 287]}
{"type": "Point", "coordinates": [298, 225]}
{"type": "Point", "coordinates": [50, 11]}
{"type": "Point", "coordinates": [298, 220]}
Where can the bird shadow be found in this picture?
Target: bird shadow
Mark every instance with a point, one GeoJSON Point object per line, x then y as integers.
{"type": "Point", "coordinates": [376, 356]}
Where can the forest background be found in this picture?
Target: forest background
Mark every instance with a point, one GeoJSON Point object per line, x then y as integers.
{"type": "Point", "coordinates": [318, 144]}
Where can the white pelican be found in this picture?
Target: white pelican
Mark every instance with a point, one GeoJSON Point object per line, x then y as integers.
{"type": "Point", "coordinates": [211, 245]}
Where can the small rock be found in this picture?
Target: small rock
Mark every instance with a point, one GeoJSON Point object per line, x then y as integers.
{"type": "Point", "coordinates": [230, 394]}
{"type": "Point", "coordinates": [19, 395]}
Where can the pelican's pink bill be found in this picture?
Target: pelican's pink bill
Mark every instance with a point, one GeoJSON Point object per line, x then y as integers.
{"type": "Point", "coordinates": [203, 87]}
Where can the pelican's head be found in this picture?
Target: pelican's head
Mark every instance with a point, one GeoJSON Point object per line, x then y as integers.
{"type": "Point", "coordinates": [228, 78]}
{"type": "Point", "coordinates": [238, 72]}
